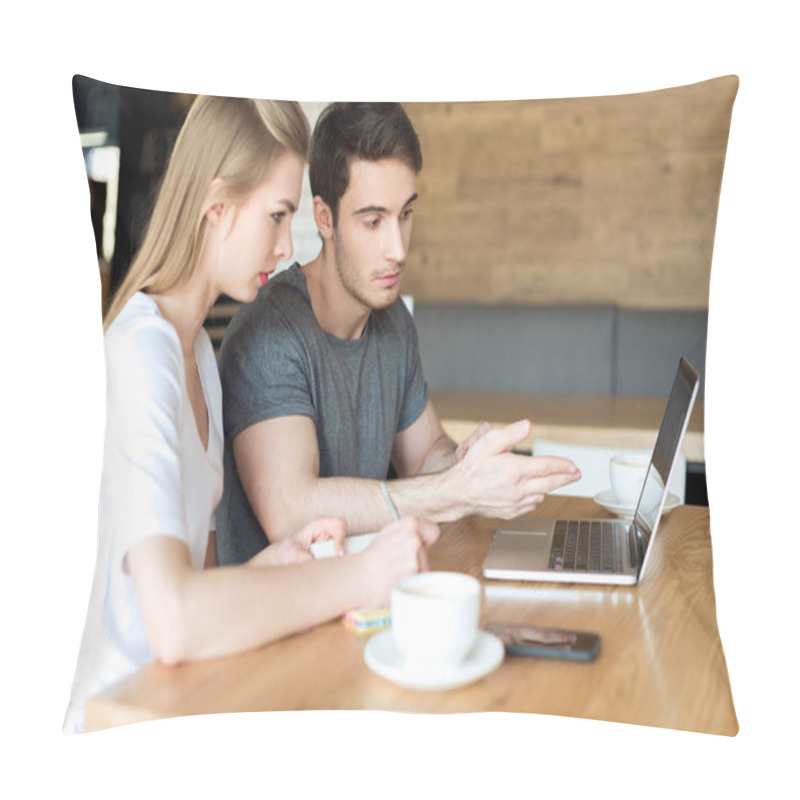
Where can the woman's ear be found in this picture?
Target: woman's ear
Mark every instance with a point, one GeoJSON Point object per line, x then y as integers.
{"type": "Point", "coordinates": [323, 217]}
{"type": "Point", "coordinates": [216, 201]}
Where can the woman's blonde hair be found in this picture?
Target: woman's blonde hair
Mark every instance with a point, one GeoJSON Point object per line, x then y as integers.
{"type": "Point", "coordinates": [235, 139]}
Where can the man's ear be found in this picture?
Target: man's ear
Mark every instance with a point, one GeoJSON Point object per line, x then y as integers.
{"type": "Point", "coordinates": [323, 217]}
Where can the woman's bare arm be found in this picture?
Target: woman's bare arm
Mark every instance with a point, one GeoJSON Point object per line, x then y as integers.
{"type": "Point", "coordinates": [193, 614]}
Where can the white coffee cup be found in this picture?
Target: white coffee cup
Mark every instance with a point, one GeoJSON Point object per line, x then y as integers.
{"type": "Point", "coordinates": [435, 618]}
{"type": "Point", "coordinates": [628, 471]}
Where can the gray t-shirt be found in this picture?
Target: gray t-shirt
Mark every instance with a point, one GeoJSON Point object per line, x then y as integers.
{"type": "Point", "coordinates": [276, 361]}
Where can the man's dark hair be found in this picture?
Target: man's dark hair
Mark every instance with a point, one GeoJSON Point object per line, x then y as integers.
{"type": "Point", "coordinates": [348, 131]}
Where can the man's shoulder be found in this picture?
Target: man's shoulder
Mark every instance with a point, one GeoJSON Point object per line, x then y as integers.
{"type": "Point", "coordinates": [286, 293]}
{"type": "Point", "coordinates": [277, 324]}
{"type": "Point", "coordinates": [282, 303]}
{"type": "Point", "coordinates": [289, 283]}
{"type": "Point", "coordinates": [394, 319]}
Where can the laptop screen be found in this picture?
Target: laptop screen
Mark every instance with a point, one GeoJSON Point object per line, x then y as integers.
{"type": "Point", "coordinates": [670, 436]}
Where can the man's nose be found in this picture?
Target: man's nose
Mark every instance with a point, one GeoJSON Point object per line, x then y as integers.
{"type": "Point", "coordinates": [395, 244]}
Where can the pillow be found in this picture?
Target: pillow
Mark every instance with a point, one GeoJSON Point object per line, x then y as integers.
{"type": "Point", "coordinates": [486, 230]}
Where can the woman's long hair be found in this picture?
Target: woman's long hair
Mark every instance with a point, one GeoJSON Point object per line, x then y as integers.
{"type": "Point", "coordinates": [235, 139]}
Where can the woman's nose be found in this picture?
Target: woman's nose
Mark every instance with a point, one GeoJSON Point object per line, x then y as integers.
{"type": "Point", "coordinates": [284, 247]}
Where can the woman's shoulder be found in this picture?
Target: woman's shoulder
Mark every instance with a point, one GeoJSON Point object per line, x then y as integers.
{"type": "Point", "coordinates": [140, 317]}
{"type": "Point", "coordinates": [140, 338]}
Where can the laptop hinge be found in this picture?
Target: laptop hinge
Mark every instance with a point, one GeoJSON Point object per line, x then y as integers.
{"type": "Point", "coordinates": [637, 546]}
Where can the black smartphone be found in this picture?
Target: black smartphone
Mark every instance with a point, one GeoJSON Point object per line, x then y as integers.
{"type": "Point", "coordinates": [527, 640]}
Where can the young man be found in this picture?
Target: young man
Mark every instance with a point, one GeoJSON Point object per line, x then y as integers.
{"type": "Point", "coordinates": [322, 381]}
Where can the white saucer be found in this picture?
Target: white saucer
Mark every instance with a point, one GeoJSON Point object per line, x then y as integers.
{"type": "Point", "coordinates": [608, 500]}
{"type": "Point", "coordinates": [383, 658]}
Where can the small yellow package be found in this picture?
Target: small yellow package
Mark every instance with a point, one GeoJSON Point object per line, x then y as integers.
{"type": "Point", "coordinates": [367, 620]}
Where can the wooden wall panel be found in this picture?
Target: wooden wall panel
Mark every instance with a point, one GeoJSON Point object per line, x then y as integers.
{"type": "Point", "coordinates": [600, 200]}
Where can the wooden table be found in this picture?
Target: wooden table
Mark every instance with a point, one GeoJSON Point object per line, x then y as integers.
{"type": "Point", "coordinates": [661, 662]}
{"type": "Point", "coordinates": [596, 420]}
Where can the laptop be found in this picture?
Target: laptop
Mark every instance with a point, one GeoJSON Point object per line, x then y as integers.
{"type": "Point", "coordinates": [599, 551]}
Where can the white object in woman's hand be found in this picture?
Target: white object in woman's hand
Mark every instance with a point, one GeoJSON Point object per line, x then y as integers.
{"type": "Point", "coordinates": [328, 532]}
{"type": "Point", "coordinates": [400, 549]}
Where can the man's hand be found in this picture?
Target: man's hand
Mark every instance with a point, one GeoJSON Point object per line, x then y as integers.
{"type": "Point", "coordinates": [296, 548]}
{"type": "Point", "coordinates": [490, 480]}
{"type": "Point", "coordinates": [465, 446]}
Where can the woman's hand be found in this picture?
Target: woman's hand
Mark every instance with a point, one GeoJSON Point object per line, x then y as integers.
{"type": "Point", "coordinates": [296, 549]}
{"type": "Point", "coordinates": [400, 549]}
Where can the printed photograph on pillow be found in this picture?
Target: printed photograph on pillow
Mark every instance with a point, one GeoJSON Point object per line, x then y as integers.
{"type": "Point", "coordinates": [558, 270]}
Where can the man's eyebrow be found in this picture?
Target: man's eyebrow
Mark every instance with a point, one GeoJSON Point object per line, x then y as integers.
{"type": "Point", "coordinates": [373, 209]}
{"type": "Point", "coordinates": [290, 205]}
{"type": "Point", "coordinates": [369, 210]}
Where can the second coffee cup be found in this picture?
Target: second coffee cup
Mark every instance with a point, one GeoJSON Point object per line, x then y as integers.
{"type": "Point", "coordinates": [627, 473]}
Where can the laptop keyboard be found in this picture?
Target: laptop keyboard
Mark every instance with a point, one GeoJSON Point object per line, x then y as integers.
{"type": "Point", "coordinates": [593, 545]}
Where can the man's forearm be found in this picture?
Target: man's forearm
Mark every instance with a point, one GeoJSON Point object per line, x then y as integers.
{"type": "Point", "coordinates": [359, 501]}
{"type": "Point", "coordinates": [433, 496]}
{"type": "Point", "coordinates": [278, 465]}
{"type": "Point", "coordinates": [362, 503]}
{"type": "Point", "coordinates": [485, 478]}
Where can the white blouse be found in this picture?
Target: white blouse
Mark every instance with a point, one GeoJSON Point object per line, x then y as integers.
{"type": "Point", "coordinates": [157, 480]}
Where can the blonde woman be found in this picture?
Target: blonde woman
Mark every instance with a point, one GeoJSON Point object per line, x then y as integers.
{"type": "Point", "coordinates": [220, 224]}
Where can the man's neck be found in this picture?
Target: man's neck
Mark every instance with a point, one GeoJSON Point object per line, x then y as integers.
{"type": "Point", "coordinates": [337, 311]}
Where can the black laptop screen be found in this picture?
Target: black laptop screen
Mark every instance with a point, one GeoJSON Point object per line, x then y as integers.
{"type": "Point", "coordinates": [670, 435]}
